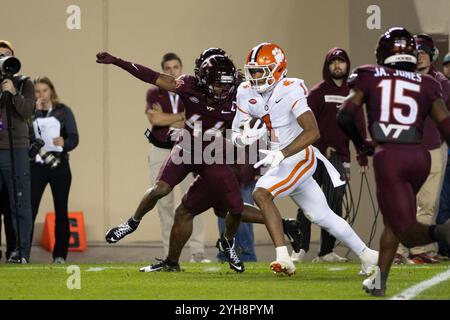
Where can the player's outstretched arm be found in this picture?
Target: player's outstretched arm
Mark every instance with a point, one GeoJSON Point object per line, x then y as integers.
{"type": "Point", "coordinates": [347, 122]}
{"type": "Point", "coordinates": [441, 117]}
{"type": "Point", "coordinates": [164, 81]}
{"type": "Point", "coordinates": [309, 135]}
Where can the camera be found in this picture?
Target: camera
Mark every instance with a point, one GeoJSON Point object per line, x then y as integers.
{"type": "Point", "coordinates": [37, 148]}
{"type": "Point", "coordinates": [9, 66]}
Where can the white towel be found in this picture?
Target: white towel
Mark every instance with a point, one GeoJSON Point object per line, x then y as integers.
{"type": "Point", "coordinates": [334, 174]}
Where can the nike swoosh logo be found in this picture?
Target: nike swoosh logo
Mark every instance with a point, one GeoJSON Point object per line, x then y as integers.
{"type": "Point", "coordinates": [135, 66]}
{"type": "Point", "coordinates": [278, 100]}
{"type": "Point", "coordinates": [236, 267]}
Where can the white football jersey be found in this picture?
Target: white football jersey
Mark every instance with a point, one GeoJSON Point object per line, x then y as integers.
{"type": "Point", "coordinates": [279, 110]}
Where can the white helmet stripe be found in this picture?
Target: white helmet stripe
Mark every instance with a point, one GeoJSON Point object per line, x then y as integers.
{"type": "Point", "coordinates": [255, 52]}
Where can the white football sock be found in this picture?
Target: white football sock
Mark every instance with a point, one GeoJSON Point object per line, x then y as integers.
{"type": "Point", "coordinates": [282, 253]}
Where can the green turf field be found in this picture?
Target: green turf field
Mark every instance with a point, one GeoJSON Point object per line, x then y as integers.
{"type": "Point", "coordinates": [208, 281]}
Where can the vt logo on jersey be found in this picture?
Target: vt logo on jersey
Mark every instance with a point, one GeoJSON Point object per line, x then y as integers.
{"type": "Point", "coordinates": [395, 128]}
{"type": "Point", "coordinates": [394, 132]}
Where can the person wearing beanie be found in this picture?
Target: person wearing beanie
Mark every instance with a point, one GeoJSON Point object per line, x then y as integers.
{"type": "Point", "coordinates": [324, 100]}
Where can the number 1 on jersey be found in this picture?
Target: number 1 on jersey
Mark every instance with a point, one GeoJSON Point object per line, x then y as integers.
{"type": "Point", "coordinates": [272, 132]}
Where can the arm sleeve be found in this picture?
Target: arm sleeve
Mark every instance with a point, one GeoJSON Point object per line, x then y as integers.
{"type": "Point", "coordinates": [361, 122]}
{"type": "Point", "coordinates": [143, 73]}
{"type": "Point", "coordinates": [347, 122]}
{"type": "Point", "coordinates": [71, 131]}
{"type": "Point", "coordinates": [25, 102]}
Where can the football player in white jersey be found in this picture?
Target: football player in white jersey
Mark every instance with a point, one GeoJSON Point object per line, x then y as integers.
{"type": "Point", "coordinates": [280, 102]}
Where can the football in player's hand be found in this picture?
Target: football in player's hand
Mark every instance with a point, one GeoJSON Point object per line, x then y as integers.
{"type": "Point", "coordinates": [252, 123]}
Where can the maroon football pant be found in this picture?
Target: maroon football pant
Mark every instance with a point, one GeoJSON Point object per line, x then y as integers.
{"type": "Point", "coordinates": [400, 172]}
{"type": "Point", "coordinates": [216, 186]}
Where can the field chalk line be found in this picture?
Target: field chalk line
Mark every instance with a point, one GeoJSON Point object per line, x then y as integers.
{"type": "Point", "coordinates": [417, 289]}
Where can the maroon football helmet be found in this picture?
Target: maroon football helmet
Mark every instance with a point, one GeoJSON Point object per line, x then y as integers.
{"type": "Point", "coordinates": [219, 77]}
{"type": "Point", "coordinates": [205, 55]}
{"type": "Point", "coordinates": [397, 48]}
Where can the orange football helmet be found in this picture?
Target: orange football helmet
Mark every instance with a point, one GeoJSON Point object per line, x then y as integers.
{"type": "Point", "coordinates": [266, 65]}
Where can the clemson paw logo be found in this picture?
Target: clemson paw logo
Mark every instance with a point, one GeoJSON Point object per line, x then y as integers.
{"type": "Point", "coordinates": [278, 54]}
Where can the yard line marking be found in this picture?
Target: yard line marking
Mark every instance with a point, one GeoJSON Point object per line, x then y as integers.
{"type": "Point", "coordinates": [337, 268]}
{"type": "Point", "coordinates": [212, 269]}
{"type": "Point", "coordinates": [414, 291]}
{"type": "Point", "coordinates": [97, 269]}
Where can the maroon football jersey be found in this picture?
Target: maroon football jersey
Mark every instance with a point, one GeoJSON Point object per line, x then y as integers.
{"type": "Point", "coordinates": [397, 102]}
{"type": "Point", "coordinates": [198, 114]}
{"type": "Point", "coordinates": [157, 95]}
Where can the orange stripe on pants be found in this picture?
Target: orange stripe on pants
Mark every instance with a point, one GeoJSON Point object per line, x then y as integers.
{"type": "Point", "coordinates": [298, 177]}
{"type": "Point", "coordinates": [293, 172]}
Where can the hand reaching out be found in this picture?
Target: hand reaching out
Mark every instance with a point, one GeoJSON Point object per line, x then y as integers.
{"type": "Point", "coordinates": [105, 58]}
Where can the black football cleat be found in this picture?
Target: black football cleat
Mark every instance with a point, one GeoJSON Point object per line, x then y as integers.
{"type": "Point", "coordinates": [117, 233]}
{"type": "Point", "coordinates": [162, 266]}
{"type": "Point", "coordinates": [227, 248]}
{"type": "Point", "coordinates": [375, 292]}
{"type": "Point", "coordinates": [291, 229]}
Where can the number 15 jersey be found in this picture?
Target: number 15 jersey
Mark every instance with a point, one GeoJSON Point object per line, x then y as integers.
{"type": "Point", "coordinates": [397, 102]}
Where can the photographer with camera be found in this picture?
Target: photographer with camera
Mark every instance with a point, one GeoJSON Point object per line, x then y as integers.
{"type": "Point", "coordinates": [16, 106]}
{"type": "Point", "coordinates": [56, 134]}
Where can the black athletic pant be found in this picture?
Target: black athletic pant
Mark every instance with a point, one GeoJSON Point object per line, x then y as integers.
{"type": "Point", "coordinates": [334, 198]}
{"type": "Point", "coordinates": [60, 179]}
